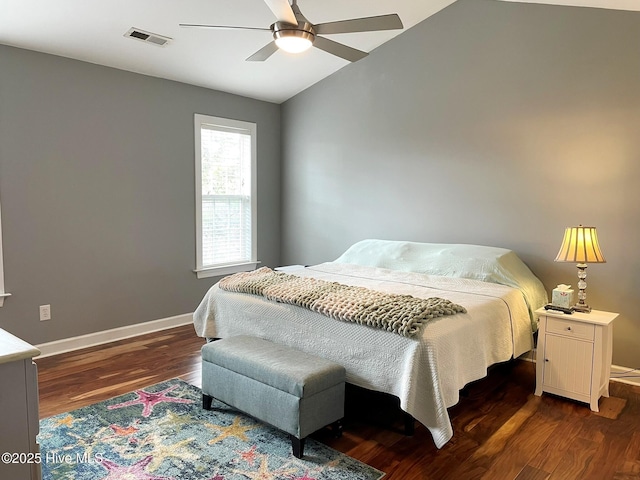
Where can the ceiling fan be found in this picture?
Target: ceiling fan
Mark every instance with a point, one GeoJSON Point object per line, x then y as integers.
{"type": "Point", "coordinates": [293, 33]}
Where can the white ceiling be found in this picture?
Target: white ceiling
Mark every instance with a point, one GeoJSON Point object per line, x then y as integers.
{"type": "Point", "coordinates": [94, 32]}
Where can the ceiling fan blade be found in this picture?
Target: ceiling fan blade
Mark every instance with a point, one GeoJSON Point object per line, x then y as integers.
{"type": "Point", "coordinates": [282, 10]}
{"type": "Point", "coordinates": [264, 53]}
{"type": "Point", "coordinates": [366, 24]}
{"type": "Point", "coordinates": [223, 27]}
{"type": "Point", "coordinates": [338, 49]}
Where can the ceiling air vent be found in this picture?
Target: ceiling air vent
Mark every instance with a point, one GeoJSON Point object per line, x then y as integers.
{"type": "Point", "coordinates": [147, 37]}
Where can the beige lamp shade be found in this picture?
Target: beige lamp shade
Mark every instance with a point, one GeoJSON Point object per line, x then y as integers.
{"type": "Point", "coordinates": [580, 245]}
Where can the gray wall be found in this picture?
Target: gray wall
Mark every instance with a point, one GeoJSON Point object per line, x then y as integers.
{"type": "Point", "coordinates": [97, 191]}
{"type": "Point", "coordinates": [489, 123]}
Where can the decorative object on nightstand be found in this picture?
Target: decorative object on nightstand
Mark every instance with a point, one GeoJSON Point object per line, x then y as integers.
{"type": "Point", "coordinates": [562, 296]}
{"type": "Point", "coordinates": [580, 245]}
{"type": "Point", "coordinates": [573, 357]}
{"type": "Point", "coordinates": [561, 299]}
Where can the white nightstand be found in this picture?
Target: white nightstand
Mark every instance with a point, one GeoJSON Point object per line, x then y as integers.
{"type": "Point", "coordinates": [574, 355]}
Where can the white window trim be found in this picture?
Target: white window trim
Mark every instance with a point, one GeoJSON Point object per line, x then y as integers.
{"type": "Point", "coordinates": [3, 294]}
{"type": "Point", "coordinates": [226, 269]}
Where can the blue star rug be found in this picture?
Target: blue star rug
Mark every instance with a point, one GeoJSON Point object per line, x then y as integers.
{"type": "Point", "coordinates": [162, 432]}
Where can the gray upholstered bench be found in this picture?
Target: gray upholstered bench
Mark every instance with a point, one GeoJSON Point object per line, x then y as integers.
{"type": "Point", "coordinates": [289, 389]}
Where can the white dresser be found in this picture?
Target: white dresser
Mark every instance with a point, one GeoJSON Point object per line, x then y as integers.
{"type": "Point", "coordinates": [19, 418]}
{"type": "Point", "coordinates": [574, 355]}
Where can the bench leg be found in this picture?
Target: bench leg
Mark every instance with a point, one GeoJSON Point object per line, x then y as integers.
{"type": "Point", "coordinates": [297, 444]}
{"type": "Point", "coordinates": [206, 401]}
{"type": "Point", "coordinates": [336, 428]}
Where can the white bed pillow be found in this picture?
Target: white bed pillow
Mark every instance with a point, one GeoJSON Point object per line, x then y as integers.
{"type": "Point", "coordinates": [477, 262]}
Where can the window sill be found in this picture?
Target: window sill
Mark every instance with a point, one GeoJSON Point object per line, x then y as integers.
{"type": "Point", "coordinates": [225, 269]}
{"type": "Point", "coordinates": [2, 297]}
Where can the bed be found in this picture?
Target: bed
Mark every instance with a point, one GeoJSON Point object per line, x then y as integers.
{"type": "Point", "coordinates": [425, 371]}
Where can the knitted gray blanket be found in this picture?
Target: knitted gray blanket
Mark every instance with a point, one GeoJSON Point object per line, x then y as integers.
{"type": "Point", "coordinates": [401, 314]}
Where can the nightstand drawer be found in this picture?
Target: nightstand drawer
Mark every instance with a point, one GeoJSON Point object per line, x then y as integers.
{"type": "Point", "coordinates": [570, 328]}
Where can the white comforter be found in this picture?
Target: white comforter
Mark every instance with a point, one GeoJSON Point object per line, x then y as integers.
{"type": "Point", "coordinates": [425, 372]}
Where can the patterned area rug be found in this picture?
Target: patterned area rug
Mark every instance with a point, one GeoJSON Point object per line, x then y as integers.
{"type": "Point", "coordinates": [161, 432]}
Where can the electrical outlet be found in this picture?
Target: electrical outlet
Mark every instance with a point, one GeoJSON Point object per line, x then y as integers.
{"type": "Point", "coordinates": [45, 312]}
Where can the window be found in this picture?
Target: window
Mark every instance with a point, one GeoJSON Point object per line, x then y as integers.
{"type": "Point", "coordinates": [225, 196]}
{"type": "Point", "coordinates": [2, 292]}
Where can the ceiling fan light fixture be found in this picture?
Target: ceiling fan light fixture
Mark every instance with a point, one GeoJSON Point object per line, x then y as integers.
{"type": "Point", "coordinates": [293, 43]}
{"type": "Point", "coordinates": [294, 40]}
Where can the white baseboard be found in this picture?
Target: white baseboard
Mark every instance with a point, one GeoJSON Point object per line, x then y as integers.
{"type": "Point", "coordinates": [529, 356]}
{"type": "Point", "coordinates": [616, 370]}
{"type": "Point", "coordinates": [98, 338]}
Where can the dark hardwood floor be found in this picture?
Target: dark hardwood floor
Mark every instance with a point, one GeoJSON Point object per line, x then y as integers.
{"type": "Point", "coordinates": [501, 430]}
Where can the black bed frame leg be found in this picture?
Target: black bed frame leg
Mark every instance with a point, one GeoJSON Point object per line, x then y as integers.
{"type": "Point", "coordinates": [297, 444]}
{"type": "Point", "coordinates": [206, 401]}
{"type": "Point", "coordinates": [409, 424]}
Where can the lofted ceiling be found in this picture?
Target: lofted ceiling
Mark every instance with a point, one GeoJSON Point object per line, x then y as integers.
{"type": "Point", "coordinates": [95, 32]}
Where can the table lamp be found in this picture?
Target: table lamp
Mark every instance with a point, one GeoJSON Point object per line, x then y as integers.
{"type": "Point", "coordinates": [580, 245]}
